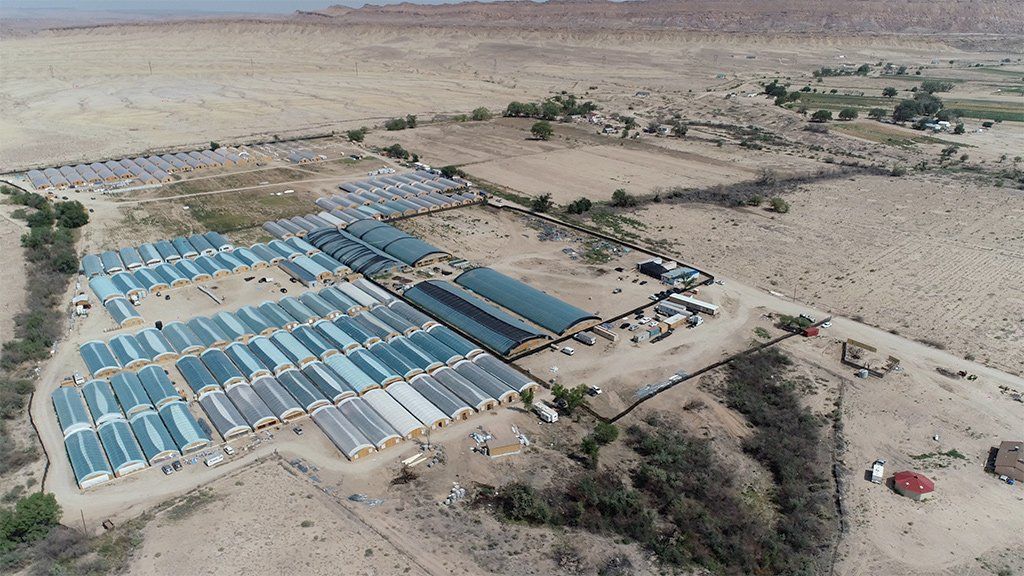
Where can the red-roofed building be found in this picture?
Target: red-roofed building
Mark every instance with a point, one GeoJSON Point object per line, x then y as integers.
{"type": "Point", "coordinates": [913, 485]}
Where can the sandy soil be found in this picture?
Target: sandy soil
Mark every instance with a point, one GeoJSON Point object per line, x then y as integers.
{"type": "Point", "coordinates": [12, 270]}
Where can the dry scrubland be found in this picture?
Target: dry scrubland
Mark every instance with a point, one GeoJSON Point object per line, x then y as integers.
{"type": "Point", "coordinates": [934, 256]}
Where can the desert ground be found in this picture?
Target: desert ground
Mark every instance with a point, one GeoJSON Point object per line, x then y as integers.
{"type": "Point", "coordinates": [925, 266]}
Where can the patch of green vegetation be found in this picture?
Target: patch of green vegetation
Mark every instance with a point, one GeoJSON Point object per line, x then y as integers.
{"type": "Point", "coordinates": [619, 225]}
{"type": "Point", "coordinates": [938, 459]}
{"type": "Point", "coordinates": [191, 503]}
{"type": "Point", "coordinates": [762, 333]}
{"type": "Point", "coordinates": [967, 108]}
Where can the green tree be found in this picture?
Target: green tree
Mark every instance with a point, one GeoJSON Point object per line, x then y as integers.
{"type": "Point", "coordinates": [779, 205]}
{"type": "Point", "coordinates": [451, 171]}
{"type": "Point", "coordinates": [481, 113]}
{"type": "Point", "coordinates": [890, 92]}
{"type": "Point", "coordinates": [71, 214]}
{"type": "Point", "coordinates": [520, 503]}
{"type": "Point", "coordinates": [410, 121]}
{"type": "Point", "coordinates": [542, 130]}
{"type": "Point", "coordinates": [862, 70]}
{"type": "Point", "coordinates": [541, 203]}
{"type": "Point", "coordinates": [579, 206]}
{"type": "Point", "coordinates": [395, 124]}
{"type": "Point", "coordinates": [848, 114]}
{"type": "Point", "coordinates": [549, 110]}
{"type": "Point", "coordinates": [357, 135]}
{"type": "Point", "coordinates": [214, 145]}
{"type": "Point", "coordinates": [877, 113]}
{"type": "Point", "coordinates": [679, 129]}
{"type": "Point", "coordinates": [905, 111]}
{"type": "Point", "coordinates": [570, 399]}
{"type": "Point", "coordinates": [933, 86]}
{"type": "Point", "coordinates": [43, 218]}
{"type": "Point", "coordinates": [622, 199]}
{"type": "Point", "coordinates": [605, 433]}
{"type": "Point", "coordinates": [591, 449]}
{"type": "Point", "coordinates": [821, 116]}
{"type": "Point", "coordinates": [31, 519]}
{"type": "Point", "coordinates": [527, 396]}
{"type": "Point", "coordinates": [397, 151]}
{"type": "Point", "coordinates": [959, 129]}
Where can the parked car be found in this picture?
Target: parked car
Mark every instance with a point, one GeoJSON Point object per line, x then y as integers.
{"type": "Point", "coordinates": [229, 450]}
{"type": "Point", "coordinates": [595, 391]}
{"type": "Point", "coordinates": [177, 465]}
{"type": "Point", "coordinates": [167, 470]}
{"type": "Point", "coordinates": [297, 430]}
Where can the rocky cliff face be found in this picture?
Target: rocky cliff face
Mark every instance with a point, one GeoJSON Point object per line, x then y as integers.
{"type": "Point", "coordinates": [768, 16]}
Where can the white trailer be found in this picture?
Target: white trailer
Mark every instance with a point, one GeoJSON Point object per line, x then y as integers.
{"type": "Point", "coordinates": [546, 413]}
{"type": "Point", "coordinates": [694, 305]}
{"type": "Point", "coordinates": [878, 471]}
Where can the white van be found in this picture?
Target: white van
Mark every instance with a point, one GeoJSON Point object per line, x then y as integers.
{"type": "Point", "coordinates": [568, 351]}
{"type": "Point", "coordinates": [214, 460]}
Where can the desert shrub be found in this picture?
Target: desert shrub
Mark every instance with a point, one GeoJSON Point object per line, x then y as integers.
{"type": "Point", "coordinates": [71, 214]}
{"type": "Point", "coordinates": [481, 113]}
{"type": "Point", "coordinates": [579, 206]}
{"type": "Point", "coordinates": [541, 203]}
{"type": "Point", "coordinates": [519, 502]}
{"type": "Point", "coordinates": [569, 399]}
{"type": "Point", "coordinates": [542, 130]}
{"type": "Point", "coordinates": [623, 199]}
{"type": "Point", "coordinates": [357, 135]}
{"type": "Point", "coordinates": [396, 124]}
{"type": "Point", "coordinates": [779, 205]}
{"type": "Point", "coordinates": [605, 433]}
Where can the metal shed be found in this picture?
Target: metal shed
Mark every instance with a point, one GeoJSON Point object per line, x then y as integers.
{"type": "Point", "coordinates": [277, 399]}
{"type": "Point", "coordinates": [70, 407]}
{"type": "Point", "coordinates": [465, 389]}
{"type": "Point", "coordinates": [373, 290]}
{"type": "Point", "coordinates": [130, 393]}
{"type": "Point", "coordinates": [418, 406]}
{"type": "Point", "coordinates": [153, 437]}
{"type": "Point", "coordinates": [126, 283]}
{"type": "Point", "coordinates": [184, 247]}
{"type": "Point", "coordinates": [88, 461]}
{"type": "Point", "coordinates": [211, 266]}
{"type": "Point", "coordinates": [218, 241]}
{"type": "Point", "coordinates": [111, 262]}
{"type": "Point", "coordinates": [246, 361]}
{"type": "Point", "coordinates": [182, 426]}
{"type": "Point", "coordinates": [171, 275]}
{"type": "Point", "coordinates": [228, 421]}
{"type": "Point", "coordinates": [129, 353]}
{"type": "Point", "coordinates": [395, 414]}
{"type": "Point", "coordinates": [385, 316]}
{"type": "Point", "coordinates": [92, 265]}
{"type": "Point", "coordinates": [374, 428]}
{"type": "Point", "coordinates": [438, 395]}
{"type": "Point", "coordinates": [155, 345]}
{"type": "Point", "coordinates": [103, 406]}
{"type": "Point", "coordinates": [228, 261]}
{"type": "Point", "coordinates": [342, 433]}
{"type": "Point", "coordinates": [407, 351]}
{"type": "Point", "coordinates": [130, 257]}
{"type": "Point", "coordinates": [254, 321]}
{"type": "Point", "coordinates": [193, 271]}
{"type": "Point", "coordinates": [196, 375]}
{"type": "Point", "coordinates": [304, 391]}
{"type": "Point", "coordinates": [374, 326]}
{"type": "Point", "coordinates": [266, 254]}
{"type": "Point", "coordinates": [414, 316]}
{"type": "Point", "coordinates": [123, 451]}
{"type": "Point", "coordinates": [250, 258]}
{"type": "Point", "coordinates": [99, 360]}
{"type": "Point", "coordinates": [223, 369]}
{"type": "Point", "coordinates": [158, 386]}
{"type": "Point", "coordinates": [182, 338]}
{"type": "Point", "coordinates": [277, 316]}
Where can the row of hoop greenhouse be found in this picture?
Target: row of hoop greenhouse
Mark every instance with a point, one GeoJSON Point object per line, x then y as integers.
{"type": "Point", "coordinates": [370, 377]}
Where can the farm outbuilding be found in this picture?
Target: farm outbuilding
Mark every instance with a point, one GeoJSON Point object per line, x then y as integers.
{"type": "Point", "coordinates": [228, 421]}
{"type": "Point", "coordinates": [352, 376]}
{"type": "Point", "coordinates": [314, 342]}
{"type": "Point", "coordinates": [342, 433]}
{"type": "Point", "coordinates": [502, 371]}
{"type": "Point", "coordinates": [487, 383]}
{"type": "Point", "coordinates": [280, 402]}
{"type": "Point", "coordinates": [380, 372]}
{"type": "Point", "coordinates": [255, 321]}
{"type": "Point", "coordinates": [91, 266]}
{"type": "Point", "coordinates": [537, 306]}
{"type": "Point", "coordinates": [209, 334]}
{"type": "Point", "coordinates": [434, 347]}
{"type": "Point", "coordinates": [913, 485]}
{"type": "Point", "coordinates": [188, 436]}
{"type": "Point", "coordinates": [223, 369]}
{"type": "Point", "coordinates": [123, 452]}
{"type": "Point", "coordinates": [400, 419]}
{"type": "Point", "coordinates": [292, 348]}
{"type": "Point", "coordinates": [153, 437]}
{"type": "Point", "coordinates": [171, 275]}
{"type": "Point", "coordinates": [335, 336]}
{"type": "Point", "coordinates": [498, 330]}
{"type": "Point", "coordinates": [277, 316]}
{"type": "Point", "coordinates": [88, 460]}
{"type": "Point", "coordinates": [232, 327]}
{"type": "Point", "coordinates": [150, 280]}
{"type": "Point", "coordinates": [104, 289]}
{"type": "Point", "coordinates": [270, 355]}
{"type": "Point", "coordinates": [1010, 460]}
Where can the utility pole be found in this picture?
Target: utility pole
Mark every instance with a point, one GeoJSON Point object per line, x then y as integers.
{"type": "Point", "coordinates": [252, 68]}
{"type": "Point", "coordinates": [150, 67]}
{"type": "Point", "coordinates": [82, 512]}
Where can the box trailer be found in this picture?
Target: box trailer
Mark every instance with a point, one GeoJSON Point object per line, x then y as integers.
{"type": "Point", "coordinates": [545, 412]}
{"type": "Point", "coordinates": [585, 337]}
{"type": "Point", "coordinates": [693, 304]}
